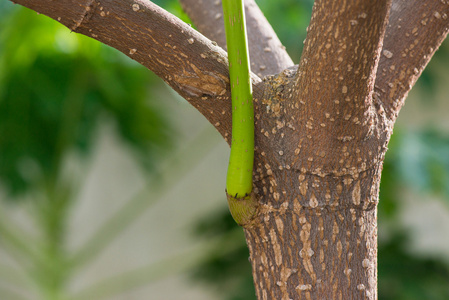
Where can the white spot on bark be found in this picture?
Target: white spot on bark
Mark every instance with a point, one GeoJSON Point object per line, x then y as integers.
{"type": "Point", "coordinates": [136, 7]}
{"type": "Point", "coordinates": [304, 287]}
{"type": "Point", "coordinates": [310, 252]}
{"type": "Point", "coordinates": [387, 53]}
{"type": "Point", "coordinates": [356, 194]}
{"type": "Point", "coordinates": [339, 249]}
{"type": "Point", "coordinates": [366, 263]}
{"type": "Point", "coordinates": [303, 188]}
{"type": "Point", "coordinates": [132, 51]}
{"type": "Point", "coordinates": [276, 247]}
{"type": "Point", "coordinates": [313, 202]}
{"type": "Point", "coordinates": [280, 226]}
{"type": "Point", "coordinates": [191, 41]}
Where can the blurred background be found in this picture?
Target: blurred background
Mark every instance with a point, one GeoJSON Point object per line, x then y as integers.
{"type": "Point", "coordinates": [112, 186]}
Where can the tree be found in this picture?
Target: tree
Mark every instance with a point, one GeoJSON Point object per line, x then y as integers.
{"type": "Point", "coordinates": [322, 127]}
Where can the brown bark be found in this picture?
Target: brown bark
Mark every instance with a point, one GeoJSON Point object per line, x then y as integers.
{"type": "Point", "coordinates": [415, 31]}
{"type": "Point", "coordinates": [335, 85]}
{"type": "Point", "coordinates": [319, 253]}
{"type": "Point", "coordinates": [321, 128]}
{"type": "Point", "coordinates": [267, 55]}
{"type": "Point", "coordinates": [315, 236]}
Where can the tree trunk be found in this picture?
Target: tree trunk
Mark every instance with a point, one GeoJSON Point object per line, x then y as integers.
{"type": "Point", "coordinates": [318, 238]}
{"type": "Point", "coordinates": [310, 253]}
{"type": "Point", "coordinates": [322, 127]}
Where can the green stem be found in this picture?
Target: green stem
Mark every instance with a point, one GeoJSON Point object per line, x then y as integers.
{"type": "Point", "coordinates": [240, 170]}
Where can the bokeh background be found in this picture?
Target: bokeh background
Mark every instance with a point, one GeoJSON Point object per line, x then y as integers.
{"type": "Point", "coordinates": [112, 186]}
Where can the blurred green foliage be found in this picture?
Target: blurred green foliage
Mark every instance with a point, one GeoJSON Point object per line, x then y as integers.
{"type": "Point", "coordinates": [55, 86]}
{"type": "Point", "coordinates": [423, 161]}
{"type": "Point", "coordinates": [56, 89]}
{"type": "Point", "coordinates": [229, 272]}
{"type": "Point", "coordinates": [403, 276]}
{"type": "Point", "coordinates": [289, 18]}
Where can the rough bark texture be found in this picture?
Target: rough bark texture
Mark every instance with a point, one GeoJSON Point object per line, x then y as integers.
{"type": "Point", "coordinates": [322, 127]}
{"type": "Point", "coordinates": [415, 31]}
{"type": "Point", "coordinates": [322, 253]}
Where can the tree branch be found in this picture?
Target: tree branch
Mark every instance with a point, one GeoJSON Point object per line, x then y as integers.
{"type": "Point", "coordinates": [267, 54]}
{"type": "Point", "coordinates": [186, 60]}
{"type": "Point", "coordinates": [332, 99]}
{"type": "Point", "coordinates": [341, 54]}
{"type": "Point", "coordinates": [415, 31]}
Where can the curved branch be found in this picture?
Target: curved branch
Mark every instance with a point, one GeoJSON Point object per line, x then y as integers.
{"type": "Point", "coordinates": [186, 60]}
{"type": "Point", "coordinates": [415, 31]}
{"type": "Point", "coordinates": [332, 99]}
{"type": "Point", "coordinates": [267, 55]}
{"type": "Point", "coordinates": [341, 53]}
